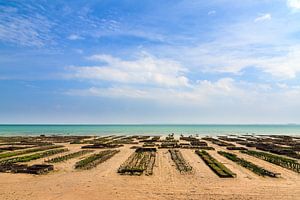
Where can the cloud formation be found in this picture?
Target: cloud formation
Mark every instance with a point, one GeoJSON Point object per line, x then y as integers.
{"type": "Point", "coordinates": [212, 12]}
{"type": "Point", "coordinates": [138, 79]}
{"type": "Point", "coordinates": [75, 37]}
{"type": "Point", "coordinates": [202, 92]}
{"type": "Point", "coordinates": [283, 66]}
{"type": "Point", "coordinates": [146, 70]}
{"type": "Point", "coordinates": [294, 4]}
{"type": "Point", "coordinates": [263, 17]}
{"type": "Point", "coordinates": [32, 29]}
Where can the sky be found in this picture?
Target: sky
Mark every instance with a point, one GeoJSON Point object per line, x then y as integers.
{"type": "Point", "coordinates": [133, 61]}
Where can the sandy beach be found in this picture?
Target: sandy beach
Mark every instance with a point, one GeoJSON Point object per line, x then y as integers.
{"type": "Point", "coordinates": [103, 182]}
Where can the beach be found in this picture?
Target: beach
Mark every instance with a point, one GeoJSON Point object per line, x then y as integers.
{"type": "Point", "coordinates": [103, 182]}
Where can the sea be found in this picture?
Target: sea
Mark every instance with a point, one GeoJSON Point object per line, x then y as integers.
{"type": "Point", "coordinates": [147, 129]}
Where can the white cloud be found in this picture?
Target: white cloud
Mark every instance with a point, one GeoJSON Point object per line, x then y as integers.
{"type": "Point", "coordinates": [212, 12]}
{"type": "Point", "coordinates": [147, 70]}
{"type": "Point", "coordinates": [283, 66]}
{"type": "Point", "coordinates": [294, 4]}
{"type": "Point", "coordinates": [221, 101]}
{"type": "Point", "coordinates": [282, 85]}
{"type": "Point", "coordinates": [222, 97]}
{"type": "Point", "coordinates": [200, 92]}
{"type": "Point", "coordinates": [75, 37]}
{"type": "Point", "coordinates": [277, 62]}
{"type": "Point", "coordinates": [79, 51]}
{"type": "Point", "coordinates": [266, 47]}
{"type": "Point", "coordinates": [263, 17]}
{"type": "Point", "coordinates": [225, 93]}
{"type": "Point", "coordinates": [148, 77]}
{"type": "Point", "coordinates": [111, 92]}
{"type": "Point", "coordinates": [25, 30]}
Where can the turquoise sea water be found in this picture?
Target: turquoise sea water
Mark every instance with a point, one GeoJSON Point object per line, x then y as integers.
{"type": "Point", "coordinates": [10, 130]}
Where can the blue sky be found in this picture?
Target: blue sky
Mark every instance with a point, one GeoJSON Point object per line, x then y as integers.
{"type": "Point", "coordinates": [179, 61]}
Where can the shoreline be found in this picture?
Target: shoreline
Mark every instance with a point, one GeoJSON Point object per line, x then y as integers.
{"type": "Point", "coordinates": [211, 130]}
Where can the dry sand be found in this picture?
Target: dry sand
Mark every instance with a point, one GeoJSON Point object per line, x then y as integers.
{"type": "Point", "coordinates": [104, 183]}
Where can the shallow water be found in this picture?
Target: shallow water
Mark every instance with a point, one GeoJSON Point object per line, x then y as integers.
{"type": "Point", "coordinates": [147, 129]}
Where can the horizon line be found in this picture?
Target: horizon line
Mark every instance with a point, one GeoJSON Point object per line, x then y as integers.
{"type": "Point", "coordinates": [154, 124]}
